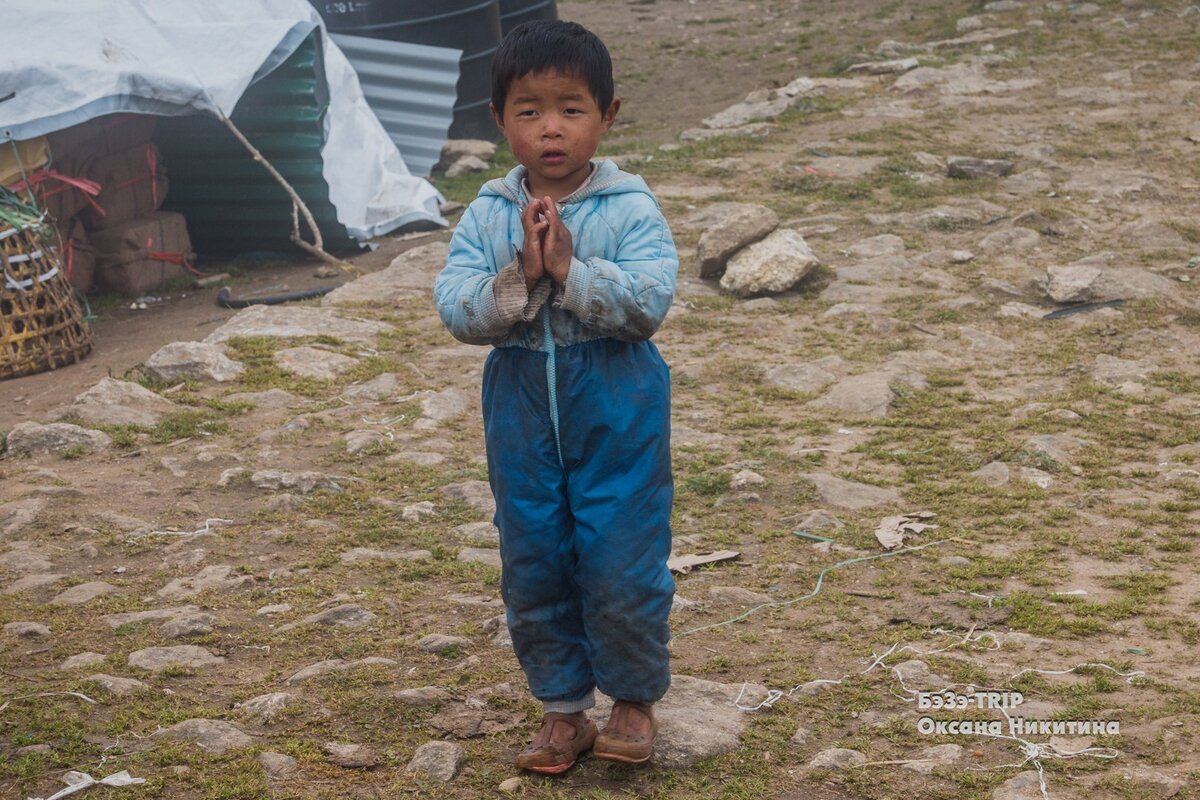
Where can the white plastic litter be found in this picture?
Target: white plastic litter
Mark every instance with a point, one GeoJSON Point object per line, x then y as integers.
{"type": "Point", "coordinates": [78, 781]}
{"type": "Point", "coordinates": [891, 530]}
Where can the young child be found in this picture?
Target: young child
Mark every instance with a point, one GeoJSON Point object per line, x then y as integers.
{"type": "Point", "coordinates": [567, 267]}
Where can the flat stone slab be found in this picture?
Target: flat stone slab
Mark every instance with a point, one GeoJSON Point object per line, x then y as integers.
{"type": "Point", "coordinates": [850, 494]}
{"type": "Point", "coordinates": [156, 659]}
{"type": "Point", "coordinates": [218, 577]}
{"type": "Point", "coordinates": [213, 735]}
{"type": "Point", "coordinates": [192, 360]}
{"type": "Point", "coordinates": [289, 322]}
{"type": "Point", "coordinates": [117, 686]}
{"type": "Point", "coordinates": [411, 274]}
{"type": "Point", "coordinates": [697, 719]}
{"type": "Point", "coordinates": [114, 402]}
{"type": "Point", "coordinates": [57, 437]}
{"type": "Point", "coordinates": [83, 593]}
{"type": "Point", "coordinates": [313, 362]}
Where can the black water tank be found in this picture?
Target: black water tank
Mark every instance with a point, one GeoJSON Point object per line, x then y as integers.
{"type": "Point", "coordinates": [472, 26]}
{"type": "Point", "coordinates": [514, 12]}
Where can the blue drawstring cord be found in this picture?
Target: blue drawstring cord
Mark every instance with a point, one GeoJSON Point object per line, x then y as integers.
{"type": "Point", "coordinates": [552, 380]}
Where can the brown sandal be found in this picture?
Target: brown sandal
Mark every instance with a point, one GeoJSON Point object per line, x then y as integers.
{"type": "Point", "coordinates": [617, 743]}
{"type": "Point", "coordinates": [551, 758]}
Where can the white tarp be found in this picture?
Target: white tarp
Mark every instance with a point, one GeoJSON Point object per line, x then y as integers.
{"type": "Point", "coordinates": [68, 61]}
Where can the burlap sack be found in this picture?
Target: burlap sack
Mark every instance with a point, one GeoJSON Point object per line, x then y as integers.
{"type": "Point", "coordinates": [142, 255]}
{"type": "Point", "coordinates": [77, 257]}
{"type": "Point", "coordinates": [133, 185]}
{"type": "Point", "coordinates": [103, 136]}
{"type": "Point", "coordinates": [60, 189]}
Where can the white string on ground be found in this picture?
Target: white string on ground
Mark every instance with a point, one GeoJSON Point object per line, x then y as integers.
{"type": "Point", "coordinates": [83, 697]}
{"type": "Point", "coordinates": [1034, 752]}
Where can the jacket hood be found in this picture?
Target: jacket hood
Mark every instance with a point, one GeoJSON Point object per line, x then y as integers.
{"type": "Point", "coordinates": [608, 179]}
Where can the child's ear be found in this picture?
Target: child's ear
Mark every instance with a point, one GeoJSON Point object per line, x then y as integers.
{"type": "Point", "coordinates": [497, 116]}
{"type": "Point", "coordinates": [610, 116]}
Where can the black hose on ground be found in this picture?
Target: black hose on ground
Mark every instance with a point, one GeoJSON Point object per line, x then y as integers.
{"type": "Point", "coordinates": [226, 301]}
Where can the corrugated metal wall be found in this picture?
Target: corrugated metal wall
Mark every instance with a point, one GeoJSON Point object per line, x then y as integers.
{"type": "Point", "coordinates": [231, 203]}
{"type": "Point", "coordinates": [411, 88]}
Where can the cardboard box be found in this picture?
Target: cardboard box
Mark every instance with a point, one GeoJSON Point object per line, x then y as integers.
{"type": "Point", "coordinates": [133, 185]}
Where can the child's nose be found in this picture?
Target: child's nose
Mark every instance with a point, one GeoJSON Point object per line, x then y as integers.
{"type": "Point", "coordinates": [551, 125]}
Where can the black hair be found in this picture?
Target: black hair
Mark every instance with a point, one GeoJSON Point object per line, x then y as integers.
{"type": "Point", "coordinates": [543, 45]}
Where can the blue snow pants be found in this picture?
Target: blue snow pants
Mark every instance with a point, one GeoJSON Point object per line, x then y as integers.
{"type": "Point", "coordinates": [584, 540]}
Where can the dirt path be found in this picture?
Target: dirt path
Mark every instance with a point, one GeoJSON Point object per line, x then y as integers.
{"type": "Point", "coordinates": [305, 546]}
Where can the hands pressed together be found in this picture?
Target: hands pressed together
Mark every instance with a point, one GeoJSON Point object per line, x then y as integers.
{"type": "Point", "coordinates": [547, 248]}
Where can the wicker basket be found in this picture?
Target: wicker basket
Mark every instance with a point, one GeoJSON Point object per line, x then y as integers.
{"type": "Point", "coordinates": [41, 323]}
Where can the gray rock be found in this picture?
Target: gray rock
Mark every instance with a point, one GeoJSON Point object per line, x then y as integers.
{"type": "Point", "coordinates": [762, 304]}
{"type": "Point", "coordinates": [1056, 447]}
{"type": "Point", "coordinates": [114, 402]}
{"type": "Point", "coordinates": [775, 264]}
{"type": "Point", "coordinates": [358, 441]}
{"type": "Point", "coordinates": [994, 474]}
{"type": "Point", "coordinates": [411, 274]}
{"type": "Point", "coordinates": [379, 388]}
{"type": "Point", "coordinates": [313, 362]}
{"type": "Point", "coordinates": [304, 482]}
{"type": "Point", "coordinates": [737, 595]}
{"type": "Point", "coordinates": [83, 593]}
{"type": "Point", "coordinates": [419, 459]}
{"type": "Point", "coordinates": [438, 760]}
{"type": "Point", "coordinates": [155, 659]}
{"type": "Point", "coordinates": [466, 165]}
{"type": "Point", "coordinates": [1040, 479]}
{"type": "Point", "coordinates": [346, 615]}
{"type": "Point", "coordinates": [337, 665]}
{"type": "Point", "coordinates": [800, 737]}
{"type": "Point", "coordinates": [480, 555]}
{"type": "Point", "coordinates": [443, 406]}
{"type": "Point", "coordinates": [455, 149]}
{"type": "Point", "coordinates": [837, 758]}
{"type": "Point", "coordinates": [350, 756]}
{"type": "Point", "coordinates": [188, 625]}
{"type": "Point", "coordinates": [1117, 370]}
{"type": "Point", "coordinates": [915, 674]}
{"type": "Point", "coordinates": [744, 478]}
{"type": "Point", "coordinates": [199, 361]}
{"type": "Point", "coordinates": [510, 785]}
{"type": "Point", "coordinates": [367, 554]}
{"type": "Point", "coordinates": [422, 696]}
{"type": "Point", "coordinates": [274, 608]}
{"type": "Point", "coordinates": [125, 618]}
{"type": "Point", "coordinates": [697, 719]}
{"type": "Point", "coordinates": [278, 766]}
{"type": "Point", "coordinates": [755, 130]}
{"type": "Point", "coordinates": [744, 113]}
{"type": "Point", "coordinates": [942, 755]}
{"type": "Point", "coordinates": [212, 735]}
{"type": "Point", "coordinates": [1093, 280]}
{"type": "Point", "coordinates": [816, 520]}
{"type": "Point", "coordinates": [82, 660]}
{"type": "Point", "coordinates": [219, 578]}
{"type": "Point", "coordinates": [1025, 786]}
{"type": "Point", "coordinates": [742, 225]}
{"type": "Point", "coordinates": [1010, 240]}
{"type": "Point", "coordinates": [24, 560]}
{"type": "Point", "coordinates": [30, 630]}
{"type": "Point", "coordinates": [270, 400]}
{"type": "Point", "coordinates": [800, 377]}
{"type": "Point", "coordinates": [57, 437]}
{"type": "Point", "coordinates": [476, 494]}
{"type": "Point", "coordinates": [437, 642]}
{"type": "Point", "coordinates": [284, 322]}
{"type": "Point", "coordinates": [20, 514]}
{"type": "Point", "coordinates": [894, 67]}
{"type": "Point", "coordinates": [885, 244]}
{"type": "Point", "coordinates": [964, 167]}
{"type": "Point", "coordinates": [866, 395]}
{"type": "Point", "coordinates": [850, 494]}
{"type": "Point", "coordinates": [477, 532]}
{"type": "Point", "coordinates": [118, 687]}
{"type": "Point", "coordinates": [31, 582]}
{"type": "Point", "coordinates": [1084, 9]}
{"type": "Point", "coordinates": [415, 512]}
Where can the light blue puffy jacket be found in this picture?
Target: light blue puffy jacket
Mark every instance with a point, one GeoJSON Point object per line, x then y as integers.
{"type": "Point", "coordinates": [622, 277]}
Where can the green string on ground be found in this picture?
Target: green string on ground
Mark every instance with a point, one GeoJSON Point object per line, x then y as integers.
{"type": "Point", "coordinates": [816, 589]}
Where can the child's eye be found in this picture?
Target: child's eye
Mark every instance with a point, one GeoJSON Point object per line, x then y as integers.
{"type": "Point", "coordinates": [526, 113]}
{"type": "Point", "coordinates": [574, 111]}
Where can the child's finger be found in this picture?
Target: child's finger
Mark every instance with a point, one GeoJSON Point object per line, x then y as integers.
{"type": "Point", "coordinates": [550, 209]}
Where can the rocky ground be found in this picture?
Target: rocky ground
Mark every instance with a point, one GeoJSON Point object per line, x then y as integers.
{"type": "Point", "coordinates": [262, 565]}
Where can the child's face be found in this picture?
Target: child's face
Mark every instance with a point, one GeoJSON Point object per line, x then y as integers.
{"type": "Point", "coordinates": [553, 125]}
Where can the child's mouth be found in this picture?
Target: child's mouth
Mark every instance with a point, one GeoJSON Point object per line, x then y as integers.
{"type": "Point", "coordinates": [554, 157]}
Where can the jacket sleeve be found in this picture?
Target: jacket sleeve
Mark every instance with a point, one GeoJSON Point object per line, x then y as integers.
{"type": "Point", "coordinates": [627, 298]}
{"type": "Point", "coordinates": [477, 304]}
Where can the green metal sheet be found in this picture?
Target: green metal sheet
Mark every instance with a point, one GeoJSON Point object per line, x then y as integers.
{"type": "Point", "coordinates": [231, 203]}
